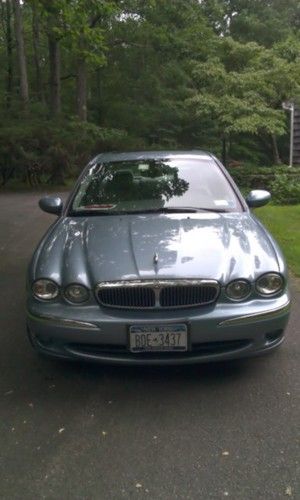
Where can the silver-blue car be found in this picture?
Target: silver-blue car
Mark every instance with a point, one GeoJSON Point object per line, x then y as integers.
{"type": "Point", "coordinates": [156, 259]}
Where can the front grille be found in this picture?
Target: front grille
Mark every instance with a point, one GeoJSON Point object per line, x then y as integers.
{"type": "Point", "coordinates": [157, 294]}
{"type": "Point", "coordinates": [137, 297]}
{"type": "Point", "coordinates": [180, 296]}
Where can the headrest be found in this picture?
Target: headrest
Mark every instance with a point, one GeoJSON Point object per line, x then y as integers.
{"type": "Point", "coordinates": [123, 176]}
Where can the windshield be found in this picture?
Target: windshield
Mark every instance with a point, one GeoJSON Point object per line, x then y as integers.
{"type": "Point", "coordinates": [155, 185]}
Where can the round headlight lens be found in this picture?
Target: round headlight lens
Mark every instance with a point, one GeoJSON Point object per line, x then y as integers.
{"type": "Point", "coordinates": [238, 290]}
{"type": "Point", "coordinates": [269, 284]}
{"type": "Point", "coordinates": [45, 289]}
{"type": "Point", "coordinates": [76, 293]}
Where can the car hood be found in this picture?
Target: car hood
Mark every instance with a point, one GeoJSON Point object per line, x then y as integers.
{"type": "Point", "coordinates": [203, 245]}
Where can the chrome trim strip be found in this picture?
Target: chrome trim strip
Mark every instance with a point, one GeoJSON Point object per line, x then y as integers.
{"type": "Point", "coordinates": [253, 317]}
{"type": "Point", "coordinates": [157, 285]}
{"type": "Point", "coordinates": [63, 321]}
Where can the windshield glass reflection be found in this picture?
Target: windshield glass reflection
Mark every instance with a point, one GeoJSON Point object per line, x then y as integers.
{"type": "Point", "coordinates": [145, 185]}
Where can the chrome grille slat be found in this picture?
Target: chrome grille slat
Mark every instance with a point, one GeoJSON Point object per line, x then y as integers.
{"type": "Point", "coordinates": [127, 297]}
{"type": "Point", "coordinates": [180, 296]}
{"type": "Point", "coordinates": [157, 293]}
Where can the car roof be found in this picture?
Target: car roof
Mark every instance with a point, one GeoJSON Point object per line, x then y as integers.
{"type": "Point", "coordinates": [152, 155]}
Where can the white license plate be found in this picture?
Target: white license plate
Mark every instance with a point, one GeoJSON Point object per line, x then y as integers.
{"type": "Point", "coordinates": [159, 338]}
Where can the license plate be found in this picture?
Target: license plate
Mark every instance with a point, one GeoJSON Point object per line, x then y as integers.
{"type": "Point", "coordinates": [159, 338]}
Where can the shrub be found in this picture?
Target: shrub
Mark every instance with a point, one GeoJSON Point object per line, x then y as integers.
{"type": "Point", "coordinates": [252, 177]}
{"type": "Point", "coordinates": [58, 148]}
{"type": "Point", "coordinates": [284, 190]}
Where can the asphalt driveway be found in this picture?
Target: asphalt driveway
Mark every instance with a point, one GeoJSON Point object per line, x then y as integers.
{"type": "Point", "coordinates": [79, 431]}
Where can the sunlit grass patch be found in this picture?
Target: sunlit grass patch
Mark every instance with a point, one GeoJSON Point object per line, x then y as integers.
{"type": "Point", "coordinates": [284, 224]}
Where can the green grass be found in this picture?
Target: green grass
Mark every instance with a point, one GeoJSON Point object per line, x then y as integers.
{"type": "Point", "coordinates": [284, 224]}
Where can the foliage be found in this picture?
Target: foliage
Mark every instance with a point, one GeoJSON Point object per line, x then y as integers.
{"type": "Point", "coordinates": [242, 87]}
{"type": "Point", "coordinates": [80, 28]}
{"type": "Point", "coordinates": [283, 182]}
{"type": "Point", "coordinates": [53, 145]}
{"type": "Point", "coordinates": [181, 74]}
{"type": "Point", "coordinates": [267, 22]}
{"type": "Point", "coordinates": [285, 191]}
{"type": "Point", "coordinates": [252, 177]}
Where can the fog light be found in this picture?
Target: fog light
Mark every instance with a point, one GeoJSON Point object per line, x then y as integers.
{"type": "Point", "coordinates": [273, 336]}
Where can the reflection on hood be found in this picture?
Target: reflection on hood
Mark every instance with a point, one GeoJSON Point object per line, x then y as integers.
{"type": "Point", "coordinates": [203, 245]}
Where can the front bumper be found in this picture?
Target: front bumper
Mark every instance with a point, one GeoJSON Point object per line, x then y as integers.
{"type": "Point", "coordinates": [218, 332]}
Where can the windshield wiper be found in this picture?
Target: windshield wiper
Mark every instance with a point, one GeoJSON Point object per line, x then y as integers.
{"type": "Point", "coordinates": [161, 210]}
{"type": "Point", "coordinates": [170, 210]}
{"type": "Point", "coordinates": [214, 210]}
{"type": "Point", "coordinates": [81, 213]}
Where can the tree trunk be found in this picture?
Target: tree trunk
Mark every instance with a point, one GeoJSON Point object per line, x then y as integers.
{"type": "Point", "coordinates": [9, 45]}
{"type": "Point", "coordinates": [21, 53]}
{"type": "Point", "coordinates": [36, 52]}
{"type": "Point", "coordinates": [224, 150]}
{"type": "Point", "coordinates": [54, 72]}
{"type": "Point", "coordinates": [276, 156]}
{"type": "Point", "coordinates": [81, 89]}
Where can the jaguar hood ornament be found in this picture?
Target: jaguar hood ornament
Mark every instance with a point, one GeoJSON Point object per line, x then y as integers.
{"type": "Point", "coordinates": [155, 258]}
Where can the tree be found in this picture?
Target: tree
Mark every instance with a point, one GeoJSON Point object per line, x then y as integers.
{"type": "Point", "coordinates": [240, 90]}
{"type": "Point", "coordinates": [209, 74]}
{"type": "Point", "coordinates": [7, 22]}
{"type": "Point", "coordinates": [83, 33]}
{"type": "Point", "coordinates": [21, 53]}
{"type": "Point", "coordinates": [36, 50]}
{"type": "Point", "coordinates": [54, 68]}
{"type": "Point", "coordinates": [263, 21]}
{"type": "Point", "coordinates": [147, 77]}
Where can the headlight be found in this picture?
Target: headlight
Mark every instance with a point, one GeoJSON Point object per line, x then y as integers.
{"type": "Point", "coordinates": [76, 293]}
{"type": "Point", "coordinates": [45, 289]}
{"type": "Point", "coordinates": [238, 290]}
{"type": "Point", "coordinates": [269, 284]}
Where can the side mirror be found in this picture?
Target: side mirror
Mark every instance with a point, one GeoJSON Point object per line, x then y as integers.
{"type": "Point", "coordinates": [258, 198]}
{"type": "Point", "coordinates": [51, 205]}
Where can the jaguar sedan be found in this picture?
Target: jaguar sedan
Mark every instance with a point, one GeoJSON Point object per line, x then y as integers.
{"type": "Point", "coordinates": [155, 258]}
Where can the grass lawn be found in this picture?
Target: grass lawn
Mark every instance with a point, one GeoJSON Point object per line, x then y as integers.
{"type": "Point", "coordinates": [284, 224]}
